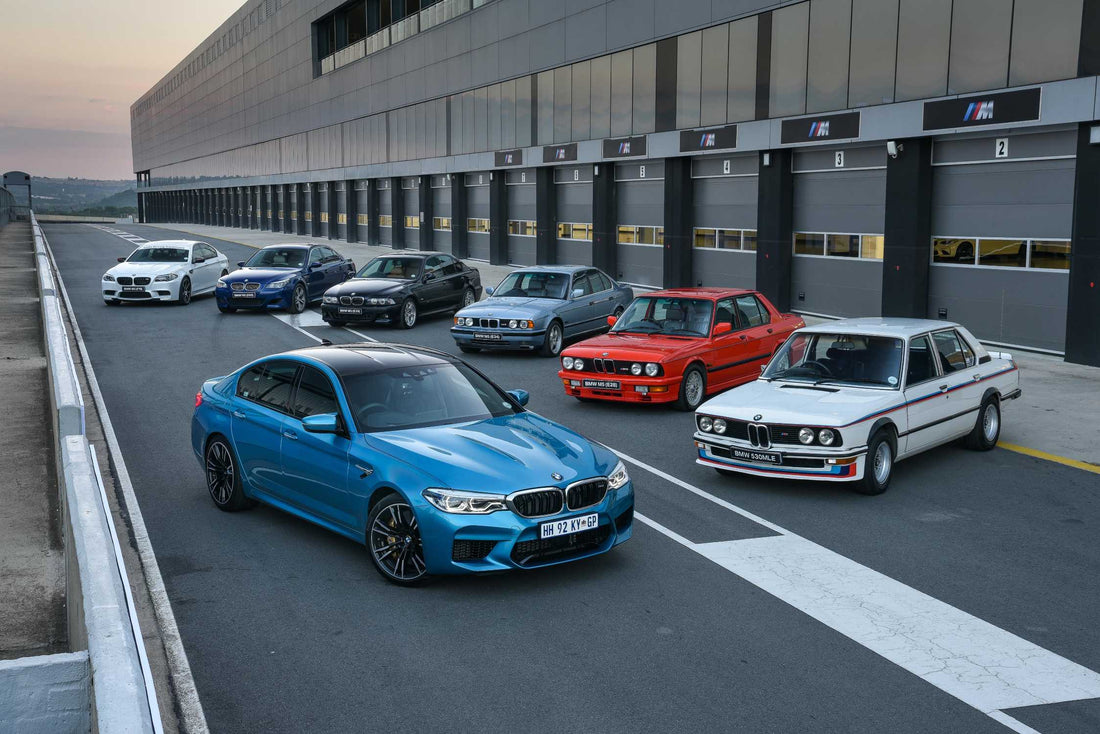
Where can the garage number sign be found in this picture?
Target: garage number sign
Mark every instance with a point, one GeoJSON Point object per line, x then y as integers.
{"type": "Point", "coordinates": [821, 127]}
{"type": "Point", "coordinates": [986, 109]}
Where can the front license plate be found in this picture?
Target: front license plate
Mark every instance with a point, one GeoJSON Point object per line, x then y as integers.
{"type": "Point", "coordinates": [133, 289]}
{"type": "Point", "coordinates": [353, 311]}
{"type": "Point", "coordinates": [602, 384]}
{"type": "Point", "coordinates": [244, 295]}
{"type": "Point", "coordinates": [568, 526]}
{"type": "Point", "coordinates": [488, 337]}
{"type": "Point", "coordinates": [760, 457]}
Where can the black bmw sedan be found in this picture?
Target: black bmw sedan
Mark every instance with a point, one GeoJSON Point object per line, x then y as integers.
{"type": "Point", "coordinates": [398, 289]}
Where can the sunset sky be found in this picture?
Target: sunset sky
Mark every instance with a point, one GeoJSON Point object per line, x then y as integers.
{"type": "Point", "coordinates": [70, 69]}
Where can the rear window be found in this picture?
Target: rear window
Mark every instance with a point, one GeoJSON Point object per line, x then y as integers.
{"type": "Point", "coordinates": [269, 384]}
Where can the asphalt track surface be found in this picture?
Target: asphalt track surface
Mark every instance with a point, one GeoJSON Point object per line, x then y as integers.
{"type": "Point", "coordinates": [289, 628]}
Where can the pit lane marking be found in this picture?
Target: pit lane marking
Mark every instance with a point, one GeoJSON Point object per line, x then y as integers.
{"type": "Point", "coordinates": [1037, 454]}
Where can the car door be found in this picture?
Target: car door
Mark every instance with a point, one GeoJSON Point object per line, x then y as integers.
{"type": "Point", "coordinates": [727, 352]}
{"type": "Point", "coordinates": [336, 267]}
{"type": "Point", "coordinates": [316, 282]}
{"type": "Point", "coordinates": [925, 395]}
{"type": "Point", "coordinates": [760, 336]}
{"type": "Point", "coordinates": [209, 269]}
{"type": "Point", "coordinates": [604, 302]}
{"type": "Point", "coordinates": [451, 274]}
{"type": "Point", "coordinates": [579, 314]}
{"type": "Point", "coordinates": [432, 290]}
{"type": "Point", "coordinates": [964, 392]}
{"type": "Point", "coordinates": [261, 404]}
{"type": "Point", "coordinates": [315, 466]}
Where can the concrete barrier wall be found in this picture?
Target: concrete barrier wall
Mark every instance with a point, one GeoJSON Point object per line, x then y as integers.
{"type": "Point", "coordinates": [117, 695]}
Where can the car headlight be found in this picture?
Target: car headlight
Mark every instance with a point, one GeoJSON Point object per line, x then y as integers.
{"type": "Point", "coordinates": [652, 369]}
{"type": "Point", "coordinates": [567, 362]}
{"type": "Point", "coordinates": [706, 423]}
{"type": "Point", "coordinates": [278, 284]}
{"type": "Point", "coordinates": [331, 299]}
{"type": "Point", "coordinates": [464, 503]}
{"type": "Point", "coordinates": [826, 436]}
{"type": "Point", "coordinates": [380, 301]}
{"type": "Point", "coordinates": [636, 368]}
{"type": "Point", "coordinates": [618, 477]}
{"type": "Point", "coordinates": [526, 324]}
{"type": "Point", "coordinates": [513, 324]}
{"type": "Point", "coordinates": [469, 321]}
{"type": "Point", "coordinates": [578, 364]}
{"type": "Point", "coordinates": [221, 284]}
{"type": "Point", "coordinates": [806, 435]}
{"type": "Point", "coordinates": [719, 425]}
{"type": "Point", "coordinates": [164, 278]}
{"type": "Point", "coordinates": [109, 277]}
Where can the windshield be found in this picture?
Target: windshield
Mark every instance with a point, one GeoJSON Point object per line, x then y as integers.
{"type": "Point", "coordinates": [159, 255]}
{"type": "Point", "coordinates": [278, 257]}
{"type": "Point", "coordinates": [401, 268]}
{"type": "Point", "coordinates": [665, 315]}
{"type": "Point", "coordinates": [533, 285]}
{"type": "Point", "coordinates": [849, 359]}
{"type": "Point", "coordinates": [423, 395]}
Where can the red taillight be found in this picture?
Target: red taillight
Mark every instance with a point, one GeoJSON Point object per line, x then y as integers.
{"type": "Point", "coordinates": [198, 398]}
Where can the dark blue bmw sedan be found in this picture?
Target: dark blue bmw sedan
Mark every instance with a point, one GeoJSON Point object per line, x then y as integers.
{"type": "Point", "coordinates": [283, 276]}
{"type": "Point", "coordinates": [414, 453]}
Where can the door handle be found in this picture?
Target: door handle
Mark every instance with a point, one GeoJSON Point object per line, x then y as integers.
{"type": "Point", "coordinates": [769, 331]}
{"type": "Point", "coordinates": [977, 377]}
{"type": "Point", "coordinates": [366, 470]}
{"type": "Point", "coordinates": [238, 414]}
{"type": "Point", "coordinates": [742, 337]}
{"type": "Point", "coordinates": [291, 435]}
{"type": "Point", "coordinates": [943, 388]}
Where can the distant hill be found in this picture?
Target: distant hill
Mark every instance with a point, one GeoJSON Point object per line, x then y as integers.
{"type": "Point", "coordinates": [73, 195]}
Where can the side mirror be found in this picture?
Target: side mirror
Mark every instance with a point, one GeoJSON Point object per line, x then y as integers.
{"type": "Point", "coordinates": [611, 320]}
{"type": "Point", "coordinates": [763, 367]}
{"type": "Point", "coordinates": [314, 266]}
{"type": "Point", "coordinates": [429, 277]}
{"type": "Point", "coordinates": [120, 259]}
{"type": "Point", "coordinates": [488, 289]}
{"type": "Point", "coordinates": [578, 292]}
{"type": "Point", "coordinates": [240, 264]}
{"type": "Point", "coordinates": [198, 260]}
{"type": "Point", "coordinates": [724, 328]}
{"type": "Point", "coordinates": [323, 423]}
{"type": "Point", "coordinates": [520, 396]}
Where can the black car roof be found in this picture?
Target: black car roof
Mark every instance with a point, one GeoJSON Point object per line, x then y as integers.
{"type": "Point", "coordinates": [410, 255]}
{"type": "Point", "coordinates": [353, 359]}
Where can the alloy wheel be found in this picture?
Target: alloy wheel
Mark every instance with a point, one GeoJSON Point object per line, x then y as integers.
{"type": "Point", "coordinates": [395, 543]}
{"type": "Point", "coordinates": [408, 313]}
{"type": "Point", "coordinates": [991, 422]}
{"type": "Point", "coordinates": [883, 462]}
{"type": "Point", "coordinates": [299, 299]}
{"type": "Point", "coordinates": [555, 338]}
{"type": "Point", "coordinates": [468, 298]}
{"type": "Point", "coordinates": [185, 291]}
{"type": "Point", "coordinates": [220, 472]}
{"type": "Point", "coordinates": [693, 387]}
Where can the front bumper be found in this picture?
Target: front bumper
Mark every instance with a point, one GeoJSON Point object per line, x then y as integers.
{"type": "Point", "coordinates": [524, 339]}
{"type": "Point", "coordinates": [795, 463]}
{"type": "Point", "coordinates": [262, 299]}
{"type": "Point", "coordinates": [335, 312]}
{"type": "Point", "coordinates": [515, 539]}
{"type": "Point", "coordinates": [163, 291]}
{"type": "Point", "coordinates": [631, 389]}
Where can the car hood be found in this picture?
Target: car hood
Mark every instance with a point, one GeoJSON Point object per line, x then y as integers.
{"type": "Point", "coordinates": [260, 275]}
{"type": "Point", "coordinates": [794, 403]}
{"type": "Point", "coordinates": [644, 347]}
{"type": "Point", "coordinates": [498, 455]}
{"type": "Point", "coordinates": [129, 268]}
{"type": "Point", "coordinates": [368, 287]}
{"type": "Point", "coordinates": [509, 306]}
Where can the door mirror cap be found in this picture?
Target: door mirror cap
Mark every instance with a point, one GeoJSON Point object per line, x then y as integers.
{"type": "Point", "coordinates": [120, 259]}
{"type": "Point", "coordinates": [611, 320]}
{"type": "Point", "coordinates": [429, 277]}
{"type": "Point", "coordinates": [198, 260]}
{"type": "Point", "coordinates": [314, 266]}
{"type": "Point", "coordinates": [723, 328]}
{"type": "Point", "coordinates": [489, 290]}
{"type": "Point", "coordinates": [323, 423]}
{"type": "Point", "coordinates": [520, 396]}
{"type": "Point", "coordinates": [240, 264]}
{"type": "Point", "coordinates": [578, 292]}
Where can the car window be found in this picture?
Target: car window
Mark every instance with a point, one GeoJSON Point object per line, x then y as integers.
{"type": "Point", "coordinates": [922, 365]}
{"type": "Point", "coordinates": [724, 313]}
{"type": "Point", "coordinates": [315, 255]}
{"type": "Point", "coordinates": [599, 281]}
{"type": "Point", "coordinates": [750, 312]}
{"type": "Point", "coordinates": [315, 395]}
{"type": "Point", "coordinates": [278, 257]}
{"type": "Point", "coordinates": [269, 384]}
{"type": "Point", "coordinates": [209, 252]}
{"type": "Point", "coordinates": [968, 353]}
{"type": "Point", "coordinates": [950, 351]}
{"type": "Point", "coordinates": [581, 283]}
{"type": "Point", "coordinates": [433, 263]}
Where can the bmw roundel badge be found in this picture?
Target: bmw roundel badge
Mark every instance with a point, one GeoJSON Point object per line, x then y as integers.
{"type": "Point", "coordinates": [757, 417]}
{"type": "Point", "coordinates": [557, 477]}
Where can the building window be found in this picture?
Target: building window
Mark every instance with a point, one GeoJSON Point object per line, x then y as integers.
{"type": "Point", "coordinates": [1001, 252]}
{"type": "Point", "coordinates": [632, 235]}
{"type": "Point", "coordinates": [361, 219]}
{"type": "Point", "coordinates": [442, 224]}
{"type": "Point", "coordinates": [385, 220]}
{"type": "Point", "coordinates": [477, 225]}
{"type": "Point", "coordinates": [574, 231]}
{"type": "Point", "coordinates": [725, 239]}
{"type": "Point", "coordinates": [412, 222]}
{"type": "Point", "coordinates": [821, 244]}
{"type": "Point", "coordinates": [522, 227]}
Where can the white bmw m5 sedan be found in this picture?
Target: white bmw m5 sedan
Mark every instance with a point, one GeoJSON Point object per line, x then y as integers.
{"type": "Point", "coordinates": [165, 270]}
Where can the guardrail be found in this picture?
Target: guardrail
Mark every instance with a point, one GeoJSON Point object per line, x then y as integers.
{"type": "Point", "coordinates": [102, 618]}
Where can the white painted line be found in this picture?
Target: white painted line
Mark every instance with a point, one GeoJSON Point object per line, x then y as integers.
{"type": "Point", "coordinates": [187, 695]}
{"type": "Point", "coordinates": [361, 335]}
{"type": "Point", "coordinates": [288, 319]}
{"type": "Point", "coordinates": [980, 664]}
{"type": "Point", "coordinates": [309, 318]}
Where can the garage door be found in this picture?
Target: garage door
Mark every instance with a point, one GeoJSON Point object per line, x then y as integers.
{"type": "Point", "coordinates": [385, 212]}
{"type": "Point", "coordinates": [477, 208]}
{"type": "Point", "coordinates": [725, 194]}
{"type": "Point", "coordinates": [573, 187]}
{"type": "Point", "coordinates": [410, 190]}
{"type": "Point", "coordinates": [520, 188]}
{"type": "Point", "coordinates": [441, 211]}
{"type": "Point", "coordinates": [641, 201]}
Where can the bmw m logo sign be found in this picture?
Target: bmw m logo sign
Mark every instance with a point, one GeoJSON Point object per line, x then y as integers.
{"type": "Point", "coordinates": [819, 129]}
{"type": "Point", "coordinates": [557, 153]}
{"type": "Point", "coordinates": [710, 139]}
{"type": "Point", "coordinates": [990, 109]}
{"type": "Point", "coordinates": [508, 158]}
{"type": "Point", "coordinates": [830, 127]}
{"type": "Point", "coordinates": [624, 147]}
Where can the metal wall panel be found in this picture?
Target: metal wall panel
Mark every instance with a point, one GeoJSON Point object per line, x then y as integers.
{"type": "Point", "coordinates": [836, 286]}
{"type": "Point", "coordinates": [726, 202]}
{"type": "Point", "coordinates": [640, 264]}
{"type": "Point", "coordinates": [641, 203]}
{"type": "Point", "coordinates": [846, 201]}
{"type": "Point", "coordinates": [724, 268]}
{"type": "Point", "coordinates": [325, 147]}
{"type": "Point", "coordinates": [385, 207]}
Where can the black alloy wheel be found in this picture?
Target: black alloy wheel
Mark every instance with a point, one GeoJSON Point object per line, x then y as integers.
{"type": "Point", "coordinates": [393, 538]}
{"type": "Point", "coordinates": [298, 299]}
{"type": "Point", "coordinates": [223, 481]}
{"type": "Point", "coordinates": [184, 297]}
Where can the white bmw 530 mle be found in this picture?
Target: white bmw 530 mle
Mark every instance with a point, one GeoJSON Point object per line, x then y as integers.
{"type": "Point", "coordinates": [165, 270]}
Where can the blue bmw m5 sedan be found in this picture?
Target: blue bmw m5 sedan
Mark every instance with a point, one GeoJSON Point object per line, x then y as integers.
{"type": "Point", "coordinates": [414, 453]}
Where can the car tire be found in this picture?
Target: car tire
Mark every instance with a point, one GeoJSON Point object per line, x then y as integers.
{"type": "Point", "coordinates": [227, 309]}
{"type": "Point", "coordinates": [469, 350]}
{"type": "Point", "coordinates": [878, 467]}
{"type": "Point", "coordinates": [406, 319]}
{"type": "Point", "coordinates": [469, 298]}
{"type": "Point", "coordinates": [987, 428]}
{"type": "Point", "coordinates": [393, 533]}
{"type": "Point", "coordinates": [693, 389]}
{"type": "Point", "coordinates": [223, 479]}
{"type": "Point", "coordinates": [183, 297]}
{"type": "Point", "coordinates": [554, 341]}
{"type": "Point", "coordinates": [298, 299]}
{"type": "Point", "coordinates": [965, 252]}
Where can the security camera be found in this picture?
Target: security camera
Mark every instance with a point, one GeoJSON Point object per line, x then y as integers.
{"type": "Point", "coordinates": [893, 148]}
